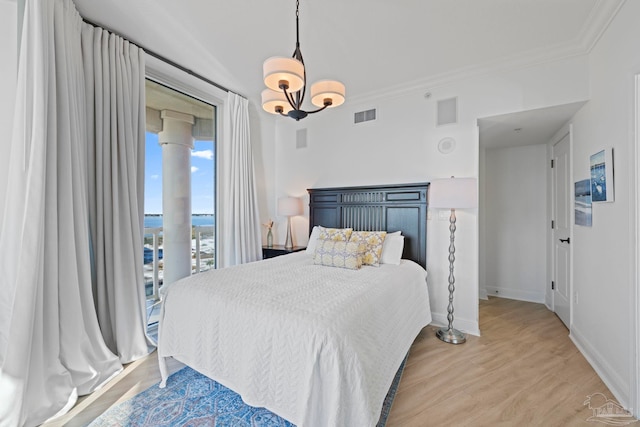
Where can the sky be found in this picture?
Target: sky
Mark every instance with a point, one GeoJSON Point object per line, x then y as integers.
{"type": "Point", "coordinates": [202, 176]}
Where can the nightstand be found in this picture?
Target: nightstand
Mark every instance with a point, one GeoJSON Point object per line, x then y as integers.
{"type": "Point", "coordinates": [278, 250]}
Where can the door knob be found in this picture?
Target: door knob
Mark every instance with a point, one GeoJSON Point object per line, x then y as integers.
{"type": "Point", "coordinates": [567, 240]}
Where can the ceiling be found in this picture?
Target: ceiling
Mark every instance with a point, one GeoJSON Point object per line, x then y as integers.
{"type": "Point", "coordinates": [525, 127]}
{"type": "Point", "coordinates": [375, 47]}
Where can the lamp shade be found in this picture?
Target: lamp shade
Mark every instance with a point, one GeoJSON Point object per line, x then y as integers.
{"type": "Point", "coordinates": [289, 206]}
{"type": "Point", "coordinates": [272, 99]}
{"type": "Point", "coordinates": [453, 193]}
{"type": "Point", "coordinates": [279, 68]}
{"type": "Point", "coordinates": [327, 89]}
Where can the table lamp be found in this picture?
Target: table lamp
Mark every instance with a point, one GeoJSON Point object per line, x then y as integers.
{"type": "Point", "coordinates": [289, 206]}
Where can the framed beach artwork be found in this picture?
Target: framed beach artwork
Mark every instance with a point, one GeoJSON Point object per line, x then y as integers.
{"type": "Point", "coordinates": [601, 168]}
{"type": "Point", "coordinates": [582, 202]}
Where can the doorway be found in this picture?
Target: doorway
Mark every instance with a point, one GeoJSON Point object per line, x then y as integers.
{"type": "Point", "coordinates": [516, 202]}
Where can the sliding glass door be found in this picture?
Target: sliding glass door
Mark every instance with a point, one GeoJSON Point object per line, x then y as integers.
{"type": "Point", "coordinates": [181, 153]}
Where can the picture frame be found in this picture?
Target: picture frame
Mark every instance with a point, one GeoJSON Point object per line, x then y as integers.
{"type": "Point", "coordinates": [602, 176]}
{"type": "Point", "coordinates": [582, 203]}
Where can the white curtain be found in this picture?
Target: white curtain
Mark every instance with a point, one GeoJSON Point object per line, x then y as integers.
{"type": "Point", "coordinates": [114, 84]}
{"type": "Point", "coordinates": [241, 239]}
{"type": "Point", "coordinates": [51, 345]}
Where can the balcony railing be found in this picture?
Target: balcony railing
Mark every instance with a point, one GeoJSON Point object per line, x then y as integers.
{"type": "Point", "coordinates": [155, 275]}
{"type": "Point", "coordinates": [203, 256]}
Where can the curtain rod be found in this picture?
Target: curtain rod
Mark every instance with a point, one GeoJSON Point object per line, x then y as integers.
{"type": "Point", "coordinates": [165, 60]}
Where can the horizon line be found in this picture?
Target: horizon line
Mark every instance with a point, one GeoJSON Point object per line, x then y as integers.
{"type": "Point", "coordinates": [201, 213]}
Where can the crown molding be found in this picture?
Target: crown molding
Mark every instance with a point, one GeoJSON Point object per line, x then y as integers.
{"type": "Point", "coordinates": [596, 24]}
{"type": "Point", "coordinates": [520, 61]}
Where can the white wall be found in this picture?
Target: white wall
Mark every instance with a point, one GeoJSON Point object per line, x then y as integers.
{"type": "Point", "coordinates": [515, 219]}
{"type": "Point", "coordinates": [8, 75]}
{"type": "Point", "coordinates": [262, 142]}
{"type": "Point", "coordinates": [401, 147]}
{"type": "Point", "coordinates": [604, 255]}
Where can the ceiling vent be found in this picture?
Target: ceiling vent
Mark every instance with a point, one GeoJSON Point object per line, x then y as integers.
{"type": "Point", "coordinates": [301, 138]}
{"type": "Point", "coordinates": [364, 116]}
{"type": "Point", "coordinates": [447, 111]}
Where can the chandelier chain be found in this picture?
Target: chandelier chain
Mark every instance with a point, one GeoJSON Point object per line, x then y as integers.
{"type": "Point", "coordinates": [297, 25]}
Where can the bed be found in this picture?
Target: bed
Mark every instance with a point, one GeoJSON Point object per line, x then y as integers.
{"type": "Point", "coordinates": [317, 345]}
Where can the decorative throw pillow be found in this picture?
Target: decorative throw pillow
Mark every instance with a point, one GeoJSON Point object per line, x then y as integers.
{"type": "Point", "coordinates": [337, 253]}
{"type": "Point", "coordinates": [373, 241]}
{"type": "Point", "coordinates": [336, 234]}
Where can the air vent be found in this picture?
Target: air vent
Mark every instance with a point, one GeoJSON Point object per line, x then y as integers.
{"type": "Point", "coordinates": [301, 138]}
{"type": "Point", "coordinates": [364, 116]}
{"type": "Point", "coordinates": [447, 111]}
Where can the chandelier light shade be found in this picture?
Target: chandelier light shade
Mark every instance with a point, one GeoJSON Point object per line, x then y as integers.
{"type": "Point", "coordinates": [279, 70]}
{"type": "Point", "coordinates": [286, 80]}
{"type": "Point", "coordinates": [272, 100]}
{"type": "Point", "coordinates": [327, 89]}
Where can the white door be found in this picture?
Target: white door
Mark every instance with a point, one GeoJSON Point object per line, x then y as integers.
{"type": "Point", "coordinates": [561, 230]}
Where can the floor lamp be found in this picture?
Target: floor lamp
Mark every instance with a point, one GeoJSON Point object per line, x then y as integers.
{"type": "Point", "coordinates": [452, 193]}
{"type": "Point", "coordinates": [289, 206]}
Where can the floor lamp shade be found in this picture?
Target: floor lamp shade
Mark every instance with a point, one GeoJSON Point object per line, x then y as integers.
{"type": "Point", "coordinates": [289, 206]}
{"type": "Point", "coordinates": [452, 193]}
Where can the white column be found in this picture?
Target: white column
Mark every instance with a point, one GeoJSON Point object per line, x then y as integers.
{"type": "Point", "coordinates": [177, 143]}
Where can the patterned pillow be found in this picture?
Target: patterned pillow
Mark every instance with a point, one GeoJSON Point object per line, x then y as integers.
{"type": "Point", "coordinates": [336, 234]}
{"type": "Point", "coordinates": [373, 241]}
{"type": "Point", "coordinates": [335, 253]}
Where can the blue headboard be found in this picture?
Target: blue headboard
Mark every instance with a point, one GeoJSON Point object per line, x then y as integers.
{"type": "Point", "coordinates": [371, 208]}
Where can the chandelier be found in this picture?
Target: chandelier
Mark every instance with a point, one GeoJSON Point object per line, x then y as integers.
{"type": "Point", "coordinates": [286, 80]}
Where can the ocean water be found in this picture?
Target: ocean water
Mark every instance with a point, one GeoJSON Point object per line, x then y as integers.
{"type": "Point", "coordinates": [152, 221]}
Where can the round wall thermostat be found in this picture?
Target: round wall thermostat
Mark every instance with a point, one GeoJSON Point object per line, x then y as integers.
{"type": "Point", "coordinates": [446, 145]}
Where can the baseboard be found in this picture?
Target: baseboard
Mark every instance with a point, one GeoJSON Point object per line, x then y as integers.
{"type": "Point", "coordinates": [464, 325]}
{"type": "Point", "coordinates": [482, 294]}
{"type": "Point", "coordinates": [606, 373]}
{"type": "Point", "coordinates": [529, 296]}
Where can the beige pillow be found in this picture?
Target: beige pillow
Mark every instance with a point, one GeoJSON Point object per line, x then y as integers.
{"type": "Point", "coordinates": [373, 241]}
{"type": "Point", "coordinates": [337, 253]}
{"type": "Point", "coordinates": [337, 234]}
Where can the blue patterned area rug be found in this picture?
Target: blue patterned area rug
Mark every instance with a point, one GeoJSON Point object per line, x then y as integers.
{"type": "Point", "coordinates": [193, 400]}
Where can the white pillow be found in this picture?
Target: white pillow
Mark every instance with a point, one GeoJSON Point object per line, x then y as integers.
{"type": "Point", "coordinates": [392, 248]}
{"type": "Point", "coordinates": [313, 240]}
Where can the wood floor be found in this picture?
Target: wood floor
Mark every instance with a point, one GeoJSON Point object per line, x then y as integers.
{"type": "Point", "coordinates": [523, 371]}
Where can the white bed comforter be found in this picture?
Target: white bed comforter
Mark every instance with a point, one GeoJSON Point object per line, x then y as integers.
{"type": "Point", "coordinates": [316, 345]}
